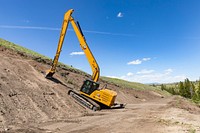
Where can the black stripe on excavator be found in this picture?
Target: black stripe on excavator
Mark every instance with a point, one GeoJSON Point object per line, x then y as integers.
{"type": "Point", "coordinates": [80, 28]}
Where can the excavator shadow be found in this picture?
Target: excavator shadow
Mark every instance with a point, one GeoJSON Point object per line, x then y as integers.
{"type": "Point", "coordinates": [56, 81]}
{"type": "Point", "coordinates": [115, 106]}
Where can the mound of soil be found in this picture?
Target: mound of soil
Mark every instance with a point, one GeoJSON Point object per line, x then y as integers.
{"type": "Point", "coordinates": [183, 103]}
{"type": "Point", "coordinates": [31, 103]}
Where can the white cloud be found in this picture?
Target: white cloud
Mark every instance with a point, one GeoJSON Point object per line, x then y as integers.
{"type": "Point", "coordinates": [145, 71]}
{"type": "Point", "coordinates": [135, 62]}
{"type": "Point", "coordinates": [138, 61]}
{"type": "Point", "coordinates": [77, 53]}
{"type": "Point", "coordinates": [151, 76]}
{"type": "Point", "coordinates": [120, 15]}
{"type": "Point", "coordinates": [115, 77]}
{"type": "Point", "coordinates": [129, 74]}
{"type": "Point", "coordinates": [146, 59]}
{"type": "Point", "coordinates": [168, 71]}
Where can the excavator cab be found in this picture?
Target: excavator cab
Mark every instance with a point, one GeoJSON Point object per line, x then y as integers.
{"type": "Point", "coordinates": [89, 86]}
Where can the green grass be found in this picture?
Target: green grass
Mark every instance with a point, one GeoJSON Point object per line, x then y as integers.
{"type": "Point", "coordinates": [133, 85]}
{"type": "Point", "coordinates": [119, 82]}
{"type": "Point", "coordinates": [175, 85]}
{"type": "Point", "coordinates": [26, 51]}
{"type": "Point", "coordinates": [127, 84]}
{"type": "Point", "coordinates": [36, 55]}
{"type": "Point", "coordinates": [18, 48]}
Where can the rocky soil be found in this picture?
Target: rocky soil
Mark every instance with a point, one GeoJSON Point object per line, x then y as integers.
{"type": "Point", "coordinates": [30, 103]}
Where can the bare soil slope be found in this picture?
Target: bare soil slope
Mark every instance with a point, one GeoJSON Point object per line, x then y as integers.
{"type": "Point", "coordinates": [31, 103]}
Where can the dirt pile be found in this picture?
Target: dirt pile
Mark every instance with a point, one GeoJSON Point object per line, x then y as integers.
{"type": "Point", "coordinates": [26, 97]}
{"type": "Point", "coordinates": [31, 103]}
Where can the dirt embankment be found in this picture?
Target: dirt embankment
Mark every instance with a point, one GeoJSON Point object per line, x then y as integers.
{"type": "Point", "coordinates": [31, 103]}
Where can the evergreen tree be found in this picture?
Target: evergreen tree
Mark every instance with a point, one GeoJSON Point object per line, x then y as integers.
{"type": "Point", "coordinates": [181, 89]}
{"type": "Point", "coordinates": [172, 90]}
{"type": "Point", "coordinates": [192, 89]}
{"type": "Point", "coordinates": [198, 91]}
{"type": "Point", "coordinates": [188, 89]}
{"type": "Point", "coordinates": [163, 87]}
{"type": "Point", "coordinates": [196, 96]}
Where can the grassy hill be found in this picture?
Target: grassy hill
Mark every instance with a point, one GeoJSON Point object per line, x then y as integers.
{"type": "Point", "coordinates": [128, 84]}
{"type": "Point", "coordinates": [32, 54]}
{"type": "Point", "coordinates": [18, 48]}
{"type": "Point", "coordinates": [118, 82]}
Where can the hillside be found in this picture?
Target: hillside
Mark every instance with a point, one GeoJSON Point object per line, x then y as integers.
{"type": "Point", "coordinates": [40, 58]}
{"type": "Point", "coordinates": [31, 103]}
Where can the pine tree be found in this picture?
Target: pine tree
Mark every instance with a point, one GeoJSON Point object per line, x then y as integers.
{"type": "Point", "coordinates": [181, 89]}
{"type": "Point", "coordinates": [198, 91]}
{"type": "Point", "coordinates": [196, 96]}
{"type": "Point", "coordinates": [163, 87]}
{"type": "Point", "coordinates": [192, 89]}
{"type": "Point", "coordinates": [172, 90]}
{"type": "Point", "coordinates": [188, 89]}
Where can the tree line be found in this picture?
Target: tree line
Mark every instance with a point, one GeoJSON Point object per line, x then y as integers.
{"type": "Point", "coordinates": [187, 89]}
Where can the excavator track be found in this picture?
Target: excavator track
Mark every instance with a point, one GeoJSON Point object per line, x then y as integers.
{"type": "Point", "coordinates": [84, 101]}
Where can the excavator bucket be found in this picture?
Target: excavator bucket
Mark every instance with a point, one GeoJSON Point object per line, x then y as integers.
{"type": "Point", "coordinates": [49, 75]}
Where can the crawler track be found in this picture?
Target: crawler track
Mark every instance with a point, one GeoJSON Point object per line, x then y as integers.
{"type": "Point", "coordinates": [84, 101]}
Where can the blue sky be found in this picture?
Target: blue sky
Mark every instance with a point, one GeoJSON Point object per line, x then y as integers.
{"type": "Point", "coordinates": [143, 41]}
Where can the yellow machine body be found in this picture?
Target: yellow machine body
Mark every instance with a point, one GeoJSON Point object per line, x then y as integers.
{"type": "Point", "coordinates": [104, 96]}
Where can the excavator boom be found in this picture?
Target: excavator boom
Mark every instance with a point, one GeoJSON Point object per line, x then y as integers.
{"type": "Point", "coordinates": [93, 64]}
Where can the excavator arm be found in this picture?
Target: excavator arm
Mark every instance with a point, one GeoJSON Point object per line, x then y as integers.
{"type": "Point", "coordinates": [93, 64]}
{"type": "Point", "coordinates": [60, 43]}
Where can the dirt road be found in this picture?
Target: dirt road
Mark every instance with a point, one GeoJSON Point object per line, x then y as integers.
{"type": "Point", "coordinates": [159, 116]}
{"type": "Point", "coordinates": [31, 103]}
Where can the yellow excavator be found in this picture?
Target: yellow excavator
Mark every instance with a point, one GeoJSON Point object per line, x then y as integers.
{"type": "Point", "coordinates": [90, 95]}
